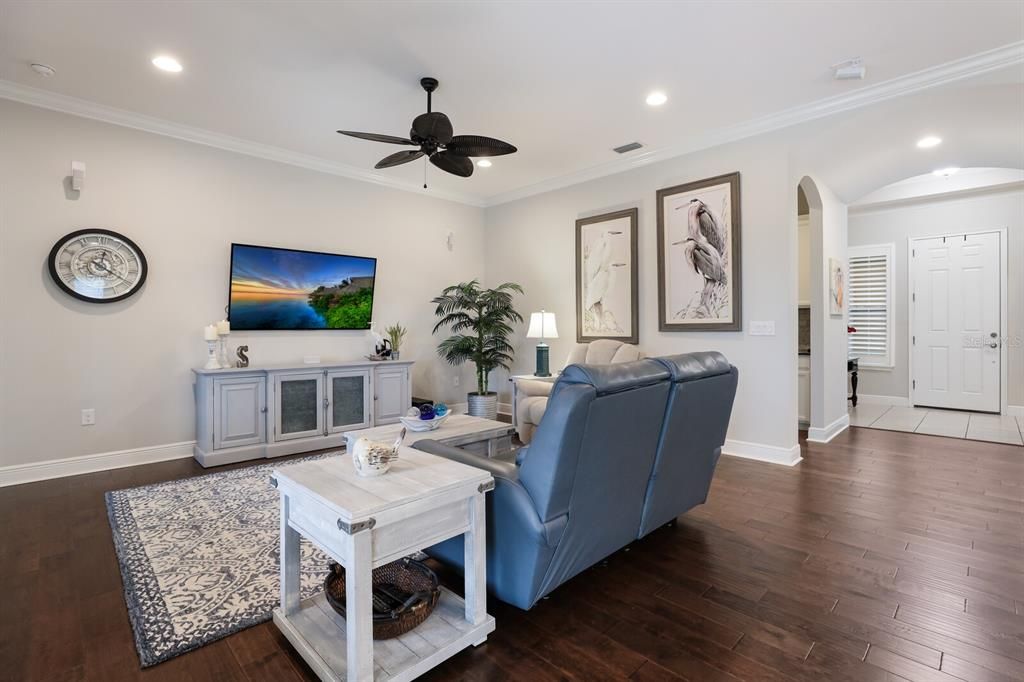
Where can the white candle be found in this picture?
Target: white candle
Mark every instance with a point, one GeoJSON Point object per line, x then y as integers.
{"type": "Point", "coordinates": [210, 333]}
{"type": "Point", "coordinates": [223, 327]}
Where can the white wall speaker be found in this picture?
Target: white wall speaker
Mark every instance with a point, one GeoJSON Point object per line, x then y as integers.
{"type": "Point", "coordinates": [77, 175]}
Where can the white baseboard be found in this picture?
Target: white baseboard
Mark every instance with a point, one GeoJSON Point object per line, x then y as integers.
{"type": "Point", "coordinates": [1015, 411]}
{"type": "Point", "coordinates": [505, 408]}
{"type": "Point", "coordinates": [826, 434]}
{"type": "Point", "coordinates": [762, 453]}
{"type": "Point", "coordinates": [895, 400]}
{"type": "Point", "coordinates": [87, 464]}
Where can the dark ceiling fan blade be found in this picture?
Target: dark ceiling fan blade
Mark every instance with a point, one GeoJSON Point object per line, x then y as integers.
{"type": "Point", "coordinates": [478, 145]}
{"type": "Point", "coordinates": [398, 158]}
{"type": "Point", "coordinates": [374, 137]}
{"type": "Point", "coordinates": [433, 124]}
{"type": "Point", "coordinates": [456, 165]}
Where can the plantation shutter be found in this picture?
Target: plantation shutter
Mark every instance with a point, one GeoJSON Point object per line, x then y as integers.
{"type": "Point", "coordinates": [870, 289]}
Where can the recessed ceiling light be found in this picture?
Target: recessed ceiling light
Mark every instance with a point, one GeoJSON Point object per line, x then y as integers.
{"type": "Point", "coordinates": [945, 172]}
{"type": "Point", "coordinates": [928, 142]}
{"type": "Point", "coordinates": [165, 63]}
{"type": "Point", "coordinates": [43, 69]}
{"type": "Point", "coordinates": [484, 163]}
{"type": "Point", "coordinates": [656, 98]}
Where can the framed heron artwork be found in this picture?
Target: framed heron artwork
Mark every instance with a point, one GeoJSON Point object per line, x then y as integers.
{"type": "Point", "coordinates": [699, 273]}
{"type": "Point", "coordinates": [606, 277]}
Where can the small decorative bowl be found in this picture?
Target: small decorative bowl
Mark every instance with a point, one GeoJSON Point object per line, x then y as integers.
{"type": "Point", "coordinates": [420, 424]}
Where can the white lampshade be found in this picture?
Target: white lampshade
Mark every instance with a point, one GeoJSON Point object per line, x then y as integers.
{"type": "Point", "coordinates": [542, 326]}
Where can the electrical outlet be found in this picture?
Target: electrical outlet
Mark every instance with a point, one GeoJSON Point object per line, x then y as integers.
{"type": "Point", "coordinates": [456, 380]}
{"type": "Point", "coordinates": [88, 417]}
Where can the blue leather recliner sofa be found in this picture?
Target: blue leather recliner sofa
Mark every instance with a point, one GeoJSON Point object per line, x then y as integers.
{"type": "Point", "coordinates": [621, 450]}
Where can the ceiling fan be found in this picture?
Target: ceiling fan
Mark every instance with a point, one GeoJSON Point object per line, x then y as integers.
{"type": "Point", "coordinates": [432, 132]}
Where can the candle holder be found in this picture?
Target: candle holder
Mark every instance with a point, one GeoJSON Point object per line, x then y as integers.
{"type": "Point", "coordinates": [211, 360]}
{"type": "Point", "coordinates": [222, 352]}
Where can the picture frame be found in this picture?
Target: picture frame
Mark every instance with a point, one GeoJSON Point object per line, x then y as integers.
{"type": "Point", "coordinates": [836, 287]}
{"type": "Point", "coordinates": [607, 280]}
{"type": "Point", "coordinates": [699, 256]}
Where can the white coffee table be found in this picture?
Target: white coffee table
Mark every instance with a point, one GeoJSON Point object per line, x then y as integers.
{"type": "Point", "coordinates": [363, 523]}
{"type": "Point", "coordinates": [480, 436]}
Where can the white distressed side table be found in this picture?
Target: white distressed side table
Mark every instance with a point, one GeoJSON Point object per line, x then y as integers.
{"type": "Point", "coordinates": [363, 523]}
{"type": "Point", "coordinates": [484, 437]}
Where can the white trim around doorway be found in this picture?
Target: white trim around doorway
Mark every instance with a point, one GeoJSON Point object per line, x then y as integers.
{"type": "Point", "coordinates": [1003, 310]}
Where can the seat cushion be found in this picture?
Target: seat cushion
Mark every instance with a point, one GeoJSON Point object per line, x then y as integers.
{"type": "Point", "coordinates": [532, 409]}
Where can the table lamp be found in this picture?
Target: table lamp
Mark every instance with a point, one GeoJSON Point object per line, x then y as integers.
{"type": "Point", "coordinates": [542, 326]}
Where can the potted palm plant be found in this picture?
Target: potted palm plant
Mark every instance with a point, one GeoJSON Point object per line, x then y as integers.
{"type": "Point", "coordinates": [480, 321]}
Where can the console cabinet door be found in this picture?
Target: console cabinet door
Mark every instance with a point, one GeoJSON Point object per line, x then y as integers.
{"type": "Point", "coordinates": [392, 395]}
{"type": "Point", "coordinates": [299, 405]}
{"type": "Point", "coordinates": [239, 411]}
{"type": "Point", "coordinates": [348, 400]}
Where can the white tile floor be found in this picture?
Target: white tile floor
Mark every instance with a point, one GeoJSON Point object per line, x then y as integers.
{"type": "Point", "coordinates": [971, 425]}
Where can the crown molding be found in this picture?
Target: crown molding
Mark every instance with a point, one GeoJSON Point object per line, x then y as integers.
{"type": "Point", "coordinates": [150, 124]}
{"type": "Point", "coordinates": [984, 62]}
{"type": "Point", "coordinates": [942, 74]}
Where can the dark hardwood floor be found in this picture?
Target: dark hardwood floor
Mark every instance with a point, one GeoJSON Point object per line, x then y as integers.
{"type": "Point", "coordinates": [883, 556]}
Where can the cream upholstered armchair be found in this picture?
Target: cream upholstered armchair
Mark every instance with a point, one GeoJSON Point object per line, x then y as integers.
{"type": "Point", "coordinates": [532, 394]}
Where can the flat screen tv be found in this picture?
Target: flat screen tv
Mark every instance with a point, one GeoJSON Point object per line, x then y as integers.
{"type": "Point", "coordinates": [275, 288]}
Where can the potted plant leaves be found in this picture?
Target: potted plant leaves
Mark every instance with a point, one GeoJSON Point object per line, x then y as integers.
{"type": "Point", "coordinates": [396, 333]}
{"type": "Point", "coordinates": [480, 321]}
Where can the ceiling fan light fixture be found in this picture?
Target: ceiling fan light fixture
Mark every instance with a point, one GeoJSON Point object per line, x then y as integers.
{"type": "Point", "coordinates": [432, 132]}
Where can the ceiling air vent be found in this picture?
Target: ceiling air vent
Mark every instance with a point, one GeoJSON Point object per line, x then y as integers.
{"type": "Point", "coordinates": [632, 146]}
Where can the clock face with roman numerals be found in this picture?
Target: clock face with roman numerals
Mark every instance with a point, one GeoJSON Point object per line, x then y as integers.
{"type": "Point", "coordinates": [97, 265]}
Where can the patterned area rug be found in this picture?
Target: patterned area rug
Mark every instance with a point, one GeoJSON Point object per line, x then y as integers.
{"type": "Point", "coordinates": [199, 558]}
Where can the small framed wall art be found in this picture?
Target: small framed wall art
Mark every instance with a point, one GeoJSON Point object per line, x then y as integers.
{"type": "Point", "coordinates": [606, 277]}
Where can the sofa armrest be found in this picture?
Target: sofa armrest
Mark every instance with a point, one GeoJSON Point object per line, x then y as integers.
{"type": "Point", "coordinates": [505, 470]}
{"type": "Point", "coordinates": [534, 387]}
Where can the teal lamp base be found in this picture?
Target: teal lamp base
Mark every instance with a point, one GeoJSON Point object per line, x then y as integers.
{"type": "Point", "coordinates": [543, 368]}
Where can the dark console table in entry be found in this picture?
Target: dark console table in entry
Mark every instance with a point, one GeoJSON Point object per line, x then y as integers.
{"type": "Point", "coordinates": [851, 369]}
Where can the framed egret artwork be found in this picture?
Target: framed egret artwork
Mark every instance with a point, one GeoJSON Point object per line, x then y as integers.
{"type": "Point", "coordinates": [699, 274]}
{"type": "Point", "coordinates": [606, 277]}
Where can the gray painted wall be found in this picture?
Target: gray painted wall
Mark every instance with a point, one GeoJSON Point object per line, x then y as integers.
{"type": "Point", "coordinates": [970, 213]}
{"type": "Point", "coordinates": [184, 204]}
{"type": "Point", "coordinates": [532, 241]}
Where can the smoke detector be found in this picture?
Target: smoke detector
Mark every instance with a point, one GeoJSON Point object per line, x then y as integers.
{"type": "Point", "coordinates": [42, 69]}
{"type": "Point", "coordinates": [850, 70]}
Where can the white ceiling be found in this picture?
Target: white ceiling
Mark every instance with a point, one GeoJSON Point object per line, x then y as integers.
{"type": "Point", "coordinates": [564, 82]}
{"type": "Point", "coordinates": [930, 185]}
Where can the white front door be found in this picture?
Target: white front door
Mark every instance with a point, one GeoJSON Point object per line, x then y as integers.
{"type": "Point", "coordinates": [955, 314]}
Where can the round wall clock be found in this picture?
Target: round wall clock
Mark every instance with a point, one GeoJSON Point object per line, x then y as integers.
{"type": "Point", "coordinates": [97, 265]}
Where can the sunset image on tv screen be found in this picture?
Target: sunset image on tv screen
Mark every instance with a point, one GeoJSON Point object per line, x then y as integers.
{"type": "Point", "coordinates": [286, 289]}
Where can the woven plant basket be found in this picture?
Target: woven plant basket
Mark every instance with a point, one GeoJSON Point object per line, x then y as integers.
{"type": "Point", "coordinates": [405, 593]}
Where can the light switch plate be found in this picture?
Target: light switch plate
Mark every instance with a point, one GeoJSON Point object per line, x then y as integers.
{"type": "Point", "coordinates": [762, 328]}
